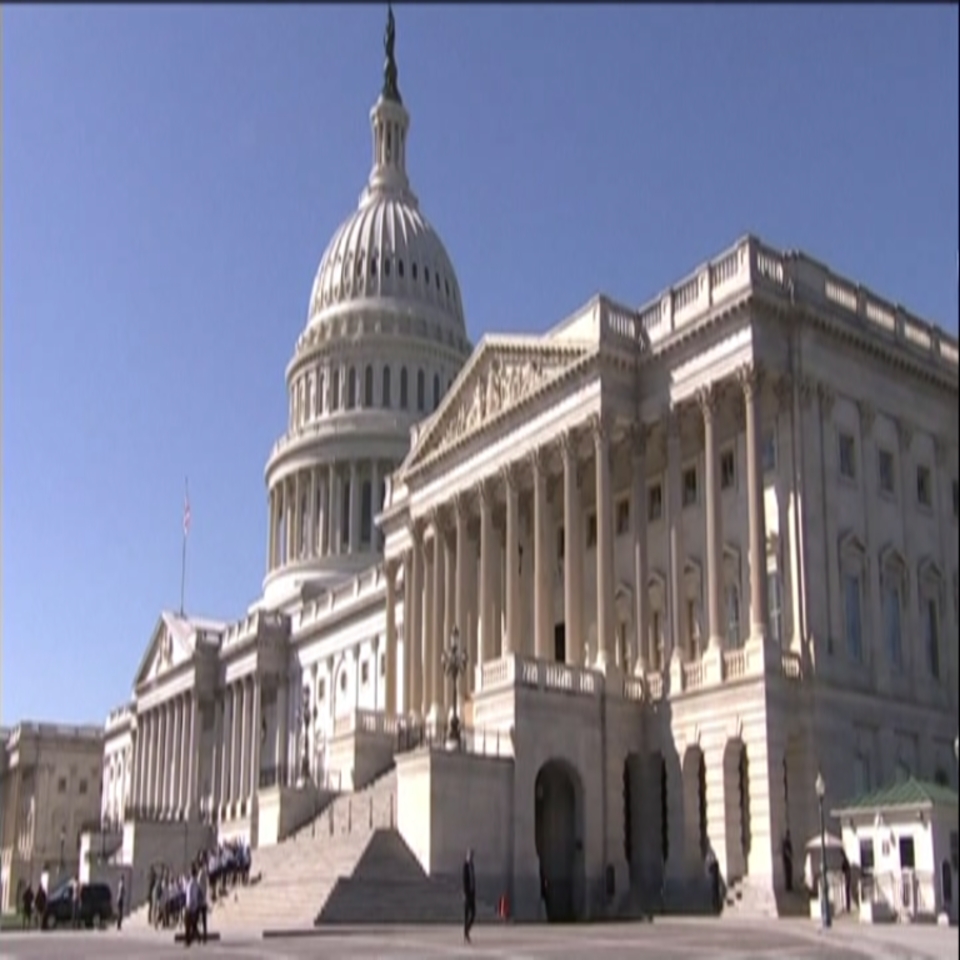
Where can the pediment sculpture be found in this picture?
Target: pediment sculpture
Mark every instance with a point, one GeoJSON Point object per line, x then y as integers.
{"type": "Point", "coordinates": [500, 384]}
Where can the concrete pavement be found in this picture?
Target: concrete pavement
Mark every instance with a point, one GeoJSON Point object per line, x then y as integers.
{"type": "Point", "coordinates": [663, 938]}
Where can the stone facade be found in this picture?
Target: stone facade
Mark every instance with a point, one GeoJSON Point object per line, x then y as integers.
{"type": "Point", "coordinates": [691, 553]}
{"type": "Point", "coordinates": [49, 795]}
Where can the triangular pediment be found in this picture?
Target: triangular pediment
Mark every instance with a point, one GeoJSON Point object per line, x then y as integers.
{"type": "Point", "coordinates": [503, 374]}
{"type": "Point", "coordinates": [174, 641]}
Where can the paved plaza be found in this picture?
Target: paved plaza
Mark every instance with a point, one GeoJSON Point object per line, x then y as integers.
{"type": "Point", "coordinates": [717, 940]}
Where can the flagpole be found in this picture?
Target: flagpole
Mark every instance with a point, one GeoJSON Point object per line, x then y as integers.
{"type": "Point", "coordinates": [183, 555]}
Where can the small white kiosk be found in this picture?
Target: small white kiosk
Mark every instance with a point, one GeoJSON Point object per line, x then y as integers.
{"type": "Point", "coordinates": [902, 845]}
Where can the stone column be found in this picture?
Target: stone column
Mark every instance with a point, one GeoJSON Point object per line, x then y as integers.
{"type": "Point", "coordinates": [282, 751]}
{"type": "Point", "coordinates": [216, 786]}
{"type": "Point", "coordinates": [485, 496]}
{"type": "Point", "coordinates": [572, 555]}
{"type": "Point", "coordinates": [417, 632]}
{"type": "Point", "coordinates": [178, 758]}
{"type": "Point", "coordinates": [150, 752]}
{"type": "Point", "coordinates": [750, 381]}
{"type": "Point", "coordinates": [323, 511]}
{"type": "Point", "coordinates": [333, 508]}
{"type": "Point", "coordinates": [676, 632]}
{"type": "Point", "coordinates": [235, 709]}
{"type": "Point", "coordinates": [296, 542]}
{"type": "Point", "coordinates": [437, 640]}
{"type": "Point", "coordinates": [449, 613]}
{"type": "Point", "coordinates": [641, 574]}
{"type": "Point", "coordinates": [313, 525]}
{"type": "Point", "coordinates": [511, 642]}
{"type": "Point", "coordinates": [193, 772]}
{"type": "Point", "coordinates": [406, 700]}
{"type": "Point", "coordinates": [542, 566]}
{"type": "Point", "coordinates": [354, 508]}
{"type": "Point", "coordinates": [269, 530]}
{"type": "Point", "coordinates": [707, 399]}
{"type": "Point", "coordinates": [605, 560]}
{"type": "Point", "coordinates": [226, 730]}
{"type": "Point", "coordinates": [167, 726]}
{"type": "Point", "coordinates": [255, 739]}
{"type": "Point", "coordinates": [390, 693]}
{"type": "Point", "coordinates": [376, 503]}
{"type": "Point", "coordinates": [244, 758]}
{"type": "Point", "coordinates": [460, 618]}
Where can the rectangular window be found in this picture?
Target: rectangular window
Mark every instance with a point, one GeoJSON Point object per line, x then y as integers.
{"type": "Point", "coordinates": [591, 530]}
{"type": "Point", "coordinates": [561, 543]}
{"type": "Point", "coordinates": [932, 637]}
{"type": "Point", "coordinates": [775, 607]}
{"type": "Point", "coordinates": [733, 617]}
{"type": "Point", "coordinates": [907, 856]}
{"type": "Point", "coordinates": [891, 624]}
{"type": "Point", "coordinates": [655, 502]}
{"type": "Point", "coordinates": [768, 452]}
{"type": "Point", "coordinates": [383, 664]}
{"type": "Point", "coordinates": [956, 499]}
{"type": "Point", "coordinates": [82, 788]}
{"type": "Point", "coordinates": [690, 487]}
{"type": "Point", "coordinates": [892, 629]}
{"type": "Point", "coordinates": [623, 517]}
{"type": "Point", "coordinates": [852, 618]}
{"type": "Point", "coordinates": [848, 457]}
{"type": "Point", "coordinates": [861, 775]}
{"type": "Point", "coordinates": [866, 856]}
{"type": "Point", "coordinates": [728, 470]}
{"type": "Point", "coordinates": [924, 487]}
{"type": "Point", "coordinates": [62, 785]}
{"type": "Point", "coordinates": [322, 688]}
{"type": "Point", "coordinates": [365, 672]}
{"type": "Point", "coordinates": [885, 471]}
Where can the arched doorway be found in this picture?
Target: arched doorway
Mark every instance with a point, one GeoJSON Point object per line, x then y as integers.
{"type": "Point", "coordinates": [736, 786]}
{"type": "Point", "coordinates": [558, 805]}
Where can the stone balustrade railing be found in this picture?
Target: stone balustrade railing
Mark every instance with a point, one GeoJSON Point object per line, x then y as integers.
{"type": "Point", "coordinates": [542, 674]}
{"type": "Point", "coordinates": [251, 625]}
{"type": "Point", "coordinates": [750, 264]}
{"type": "Point", "coordinates": [366, 721]}
{"type": "Point", "coordinates": [59, 730]}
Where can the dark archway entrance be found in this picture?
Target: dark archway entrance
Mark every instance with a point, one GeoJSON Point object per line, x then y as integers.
{"type": "Point", "coordinates": [558, 842]}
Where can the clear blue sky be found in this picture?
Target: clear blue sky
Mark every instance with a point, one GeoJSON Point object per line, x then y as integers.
{"type": "Point", "coordinates": [171, 176]}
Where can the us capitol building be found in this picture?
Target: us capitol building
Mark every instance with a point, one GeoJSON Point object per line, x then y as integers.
{"type": "Point", "coordinates": [690, 555]}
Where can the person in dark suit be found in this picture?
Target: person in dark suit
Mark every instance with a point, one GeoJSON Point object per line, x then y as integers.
{"type": "Point", "coordinates": [469, 895]}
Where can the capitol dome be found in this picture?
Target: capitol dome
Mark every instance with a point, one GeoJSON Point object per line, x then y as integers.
{"type": "Point", "coordinates": [385, 337]}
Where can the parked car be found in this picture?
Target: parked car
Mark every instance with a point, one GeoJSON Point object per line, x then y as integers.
{"type": "Point", "coordinates": [96, 906]}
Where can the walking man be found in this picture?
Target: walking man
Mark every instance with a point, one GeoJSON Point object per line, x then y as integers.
{"type": "Point", "coordinates": [121, 896]}
{"type": "Point", "coordinates": [469, 896]}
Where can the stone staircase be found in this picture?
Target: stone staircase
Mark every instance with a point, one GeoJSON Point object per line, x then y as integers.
{"type": "Point", "coordinates": [348, 866]}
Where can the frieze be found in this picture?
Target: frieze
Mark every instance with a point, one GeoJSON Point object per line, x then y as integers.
{"type": "Point", "coordinates": [501, 384]}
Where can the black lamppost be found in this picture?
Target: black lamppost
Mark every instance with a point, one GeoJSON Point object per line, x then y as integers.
{"type": "Point", "coordinates": [824, 895]}
{"type": "Point", "coordinates": [454, 661]}
{"type": "Point", "coordinates": [63, 840]}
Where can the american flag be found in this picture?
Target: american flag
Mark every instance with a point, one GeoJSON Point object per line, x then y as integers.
{"type": "Point", "coordinates": [186, 513]}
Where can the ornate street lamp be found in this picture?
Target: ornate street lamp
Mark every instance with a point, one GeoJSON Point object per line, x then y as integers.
{"type": "Point", "coordinates": [821, 789]}
{"type": "Point", "coordinates": [454, 661]}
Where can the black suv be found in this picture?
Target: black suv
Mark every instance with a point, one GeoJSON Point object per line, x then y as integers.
{"type": "Point", "coordinates": [96, 906]}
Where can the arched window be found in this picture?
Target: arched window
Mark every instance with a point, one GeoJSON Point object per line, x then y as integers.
{"type": "Point", "coordinates": [404, 398]}
{"type": "Point", "coordinates": [385, 388]}
{"type": "Point", "coordinates": [352, 388]}
{"type": "Point", "coordinates": [368, 386]}
{"type": "Point", "coordinates": [436, 390]}
{"type": "Point", "coordinates": [320, 385]}
{"type": "Point", "coordinates": [421, 392]}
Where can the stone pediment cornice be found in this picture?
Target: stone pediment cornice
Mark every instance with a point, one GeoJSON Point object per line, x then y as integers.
{"type": "Point", "coordinates": [504, 375]}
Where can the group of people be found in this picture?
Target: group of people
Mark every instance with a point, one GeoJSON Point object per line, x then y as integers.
{"type": "Point", "coordinates": [175, 901]}
{"type": "Point", "coordinates": [33, 906]}
{"type": "Point", "coordinates": [183, 901]}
